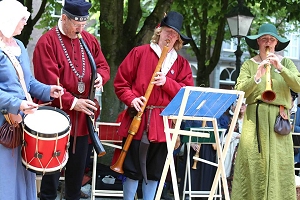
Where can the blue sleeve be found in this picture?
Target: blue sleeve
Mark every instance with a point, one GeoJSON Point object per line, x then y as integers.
{"type": "Point", "coordinates": [34, 87]}
{"type": "Point", "coordinates": [223, 121]}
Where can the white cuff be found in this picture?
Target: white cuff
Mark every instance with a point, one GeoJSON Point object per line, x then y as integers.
{"type": "Point", "coordinates": [74, 103]}
{"type": "Point", "coordinates": [277, 71]}
{"type": "Point", "coordinates": [258, 81]}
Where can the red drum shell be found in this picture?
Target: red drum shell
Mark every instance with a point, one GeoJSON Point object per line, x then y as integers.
{"type": "Point", "coordinates": [43, 152]}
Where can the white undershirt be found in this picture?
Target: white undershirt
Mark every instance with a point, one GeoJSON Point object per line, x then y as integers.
{"type": "Point", "coordinates": [169, 60]}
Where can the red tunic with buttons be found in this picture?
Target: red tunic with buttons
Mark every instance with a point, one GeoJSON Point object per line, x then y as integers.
{"type": "Point", "coordinates": [50, 62]}
{"type": "Point", "coordinates": [131, 81]}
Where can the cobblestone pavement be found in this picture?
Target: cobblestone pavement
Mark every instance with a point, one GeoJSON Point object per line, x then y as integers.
{"type": "Point", "coordinates": [87, 190]}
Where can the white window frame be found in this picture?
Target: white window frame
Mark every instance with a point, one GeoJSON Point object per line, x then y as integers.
{"type": "Point", "coordinates": [56, 13]}
{"type": "Point", "coordinates": [292, 50]}
{"type": "Point", "coordinates": [232, 45]}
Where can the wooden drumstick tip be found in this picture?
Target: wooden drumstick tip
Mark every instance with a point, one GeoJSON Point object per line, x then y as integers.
{"type": "Point", "coordinates": [60, 102]}
{"type": "Point", "coordinates": [39, 105]}
{"type": "Point", "coordinates": [197, 155]}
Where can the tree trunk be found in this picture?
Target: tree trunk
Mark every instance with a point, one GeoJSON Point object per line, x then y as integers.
{"type": "Point", "coordinates": [110, 31]}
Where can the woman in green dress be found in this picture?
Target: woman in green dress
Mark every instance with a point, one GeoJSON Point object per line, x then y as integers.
{"type": "Point", "coordinates": [264, 168]}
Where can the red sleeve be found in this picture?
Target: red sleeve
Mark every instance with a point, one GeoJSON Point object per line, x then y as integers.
{"type": "Point", "coordinates": [124, 78]}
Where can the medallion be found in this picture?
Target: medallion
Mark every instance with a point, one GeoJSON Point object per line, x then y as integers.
{"type": "Point", "coordinates": [81, 87]}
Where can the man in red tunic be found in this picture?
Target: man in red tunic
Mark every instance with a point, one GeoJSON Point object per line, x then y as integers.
{"type": "Point", "coordinates": [60, 54]}
{"type": "Point", "coordinates": [131, 82]}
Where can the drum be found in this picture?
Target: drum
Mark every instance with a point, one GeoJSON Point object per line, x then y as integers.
{"type": "Point", "coordinates": [45, 140]}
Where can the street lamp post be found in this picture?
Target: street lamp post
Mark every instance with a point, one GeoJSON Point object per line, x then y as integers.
{"type": "Point", "coordinates": [238, 54]}
{"type": "Point", "coordinates": [239, 20]}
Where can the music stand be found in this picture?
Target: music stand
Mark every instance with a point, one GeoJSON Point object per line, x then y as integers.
{"type": "Point", "coordinates": [187, 177]}
{"type": "Point", "coordinates": [203, 104]}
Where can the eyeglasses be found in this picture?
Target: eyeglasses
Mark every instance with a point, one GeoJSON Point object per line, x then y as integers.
{"type": "Point", "coordinates": [77, 25]}
{"type": "Point", "coordinates": [266, 39]}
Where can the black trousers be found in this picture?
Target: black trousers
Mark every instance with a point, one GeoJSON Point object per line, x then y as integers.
{"type": "Point", "coordinates": [297, 165]}
{"type": "Point", "coordinates": [73, 174]}
{"type": "Point", "coordinates": [155, 160]}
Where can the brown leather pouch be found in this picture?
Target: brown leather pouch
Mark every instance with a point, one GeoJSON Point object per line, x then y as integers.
{"type": "Point", "coordinates": [10, 135]}
{"type": "Point", "coordinates": [132, 112]}
{"type": "Point", "coordinates": [11, 130]}
{"type": "Point", "coordinates": [282, 124]}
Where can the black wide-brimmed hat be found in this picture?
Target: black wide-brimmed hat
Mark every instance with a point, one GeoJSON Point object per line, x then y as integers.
{"type": "Point", "coordinates": [77, 9]}
{"type": "Point", "coordinates": [174, 20]}
{"type": "Point", "coordinates": [267, 29]}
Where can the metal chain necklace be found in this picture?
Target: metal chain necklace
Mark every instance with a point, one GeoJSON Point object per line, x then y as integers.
{"type": "Point", "coordinates": [81, 85]}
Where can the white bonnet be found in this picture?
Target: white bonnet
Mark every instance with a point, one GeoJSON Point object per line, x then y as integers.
{"type": "Point", "coordinates": [11, 12]}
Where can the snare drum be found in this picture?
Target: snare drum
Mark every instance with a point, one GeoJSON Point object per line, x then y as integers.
{"type": "Point", "coordinates": [46, 140]}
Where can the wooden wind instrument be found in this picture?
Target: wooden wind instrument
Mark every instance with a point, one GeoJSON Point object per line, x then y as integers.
{"type": "Point", "coordinates": [135, 124]}
{"type": "Point", "coordinates": [268, 95]}
{"type": "Point", "coordinates": [197, 154]}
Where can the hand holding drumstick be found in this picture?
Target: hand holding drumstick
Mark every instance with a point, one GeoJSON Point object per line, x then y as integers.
{"type": "Point", "coordinates": [29, 107]}
{"type": "Point", "coordinates": [55, 91]}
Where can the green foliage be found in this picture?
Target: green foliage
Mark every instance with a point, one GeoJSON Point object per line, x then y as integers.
{"type": "Point", "coordinates": [147, 7]}
{"type": "Point", "coordinates": [279, 12]}
{"type": "Point", "coordinates": [284, 10]}
{"type": "Point", "coordinates": [95, 6]}
{"type": "Point", "coordinates": [200, 15]}
{"type": "Point", "coordinates": [94, 18]}
{"type": "Point", "coordinates": [47, 21]}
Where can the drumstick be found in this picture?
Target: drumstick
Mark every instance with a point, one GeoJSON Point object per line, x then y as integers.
{"type": "Point", "coordinates": [60, 103]}
{"type": "Point", "coordinates": [39, 105]}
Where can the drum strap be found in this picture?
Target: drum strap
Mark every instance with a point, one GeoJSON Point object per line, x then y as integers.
{"type": "Point", "coordinates": [17, 66]}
